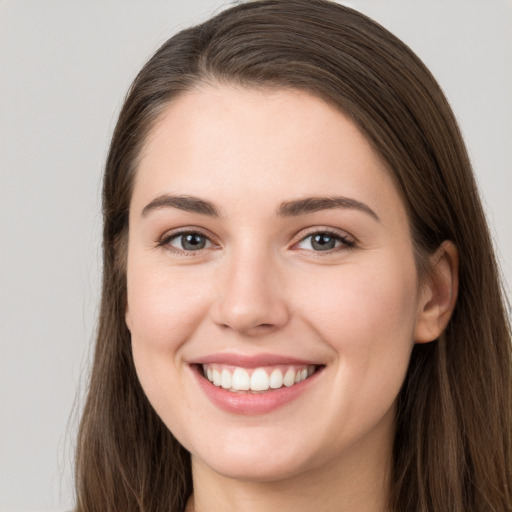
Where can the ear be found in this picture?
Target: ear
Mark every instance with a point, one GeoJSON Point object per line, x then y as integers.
{"type": "Point", "coordinates": [127, 318]}
{"type": "Point", "coordinates": [439, 294]}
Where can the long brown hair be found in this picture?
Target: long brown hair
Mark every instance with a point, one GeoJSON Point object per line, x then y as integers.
{"type": "Point", "coordinates": [452, 449]}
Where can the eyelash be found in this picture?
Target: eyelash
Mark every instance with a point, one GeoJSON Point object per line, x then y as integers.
{"type": "Point", "coordinates": [166, 240]}
{"type": "Point", "coordinates": [347, 243]}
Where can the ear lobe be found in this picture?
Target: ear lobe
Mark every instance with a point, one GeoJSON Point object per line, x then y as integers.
{"type": "Point", "coordinates": [127, 319]}
{"type": "Point", "coordinates": [439, 294]}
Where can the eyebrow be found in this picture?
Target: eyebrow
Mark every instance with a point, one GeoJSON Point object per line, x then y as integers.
{"type": "Point", "coordinates": [314, 204]}
{"type": "Point", "coordinates": [292, 208]}
{"type": "Point", "coordinates": [187, 203]}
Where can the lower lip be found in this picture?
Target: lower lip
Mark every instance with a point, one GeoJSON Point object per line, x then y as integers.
{"type": "Point", "coordinates": [252, 403]}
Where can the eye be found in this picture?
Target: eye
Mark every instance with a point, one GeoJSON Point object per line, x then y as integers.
{"type": "Point", "coordinates": [325, 241]}
{"type": "Point", "coordinates": [189, 241]}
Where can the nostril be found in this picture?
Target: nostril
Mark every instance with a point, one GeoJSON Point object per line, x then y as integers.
{"type": "Point", "coordinates": [249, 328]}
{"type": "Point", "coordinates": [250, 306]}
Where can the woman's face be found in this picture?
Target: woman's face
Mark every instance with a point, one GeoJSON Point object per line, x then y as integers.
{"type": "Point", "coordinates": [269, 249]}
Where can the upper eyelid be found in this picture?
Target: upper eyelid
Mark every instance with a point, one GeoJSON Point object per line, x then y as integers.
{"type": "Point", "coordinates": [165, 242]}
{"type": "Point", "coordinates": [169, 235]}
{"type": "Point", "coordinates": [299, 237]}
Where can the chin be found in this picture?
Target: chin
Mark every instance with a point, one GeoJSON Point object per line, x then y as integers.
{"type": "Point", "coordinates": [257, 468]}
{"type": "Point", "coordinates": [256, 459]}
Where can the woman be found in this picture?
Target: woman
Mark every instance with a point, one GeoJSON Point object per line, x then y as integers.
{"type": "Point", "coordinates": [301, 308]}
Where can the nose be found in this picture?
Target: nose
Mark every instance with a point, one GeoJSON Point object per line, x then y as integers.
{"type": "Point", "coordinates": [251, 296]}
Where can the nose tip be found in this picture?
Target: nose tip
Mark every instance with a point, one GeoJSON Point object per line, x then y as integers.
{"type": "Point", "coordinates": [251, 321]}
{"type": "Point", "coordinates": [251, 302]}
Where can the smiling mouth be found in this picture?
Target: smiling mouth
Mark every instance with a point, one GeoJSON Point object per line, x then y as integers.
{"type": "Point", "coordinates": [256, 380]}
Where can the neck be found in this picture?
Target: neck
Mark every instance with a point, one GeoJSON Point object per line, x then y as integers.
{"type": "Point", "coordinates": [358, 482]}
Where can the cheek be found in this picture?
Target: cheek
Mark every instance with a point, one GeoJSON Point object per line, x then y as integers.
{"type": "Point", "coordinates": [368, 302]}
{"type": "Point", "coordinates": [367, 315]}
{"type": "Point", "coordinates": [163, 313]}
{"type": "Point", "coordinates": [163, 306]}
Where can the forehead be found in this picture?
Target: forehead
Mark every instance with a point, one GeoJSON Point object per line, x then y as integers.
{"type": "Point", "coordinates": [232, 144]}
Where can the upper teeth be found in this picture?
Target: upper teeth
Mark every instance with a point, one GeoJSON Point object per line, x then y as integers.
{"type": "Point", "coordinates": [257, 379]}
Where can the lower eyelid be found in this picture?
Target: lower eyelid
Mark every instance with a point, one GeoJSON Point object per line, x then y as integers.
{"type": "Point", "coordinates": [166, 241]}
{"type": "Point", "coordinates": [341, 240]}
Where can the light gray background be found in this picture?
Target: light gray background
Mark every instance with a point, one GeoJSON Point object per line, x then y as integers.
{"type": "Point", "coordinates": [64, 68]}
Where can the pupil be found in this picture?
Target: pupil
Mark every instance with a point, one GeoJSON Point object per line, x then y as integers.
{"type": "Point", "coordinates": [323, 242]}
{"type": "Point", "coordinates": [193, 242]}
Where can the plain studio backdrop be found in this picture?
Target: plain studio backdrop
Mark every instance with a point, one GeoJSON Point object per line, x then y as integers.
{"type": "Point", "coordinates": [65, 66]}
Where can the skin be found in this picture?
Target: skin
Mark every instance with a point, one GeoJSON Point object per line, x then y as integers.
{"type": "Point", "coordinates": [259, 286]}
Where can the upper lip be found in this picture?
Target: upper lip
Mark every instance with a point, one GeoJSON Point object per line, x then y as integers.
{"type": "Point", "coordinates": [250, 361]}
